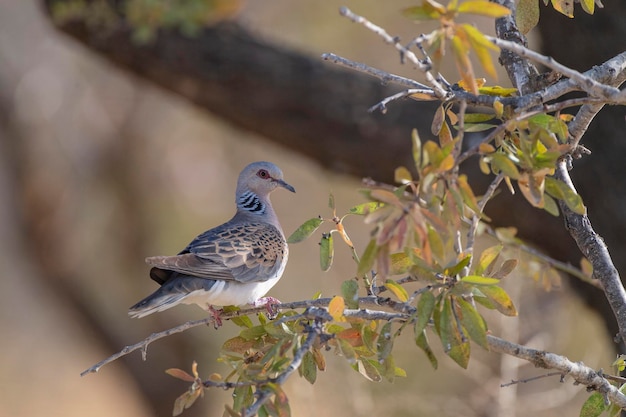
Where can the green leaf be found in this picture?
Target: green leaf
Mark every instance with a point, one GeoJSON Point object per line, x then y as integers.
{"type": "Point", "coordinates": [253, 332]}
{"type": "Point", "coordinates": [398, 290]}
{"type": "Point", "coordinates": [502, 163]}
{"type": "Point", "coordinates": [422, 342]}
{"type": "Point", "coordinates": [331, 201]}
{"type": "Point", "coordinates": [527, 15]}
{"type": "Point", "coordinates": [400, 264]}
{"type": "Point", "coordinates": [425, 307]}
{"type": "Point", "coordinates": [487, 258]}
{"type": "Point", "coordinates": [594, 406]}
{"type": "Point", "coordinates": [305, 230]}
{"type": "Point", "coordinates": [347, 350]}
{"type": "Point", "coordinates": [424, 12]}
{"type": "Point", "coordinates": [500, 299]}
{"type": "Point", "coordinates": [478, 117]}
{"type": "Point", "coordinates": [366, 208]}
{"type": "Point", "coordinates": [384, 344]}
{"type": "Point", "coordinates": [562, 191]}
{"type": "Point", "coordinates": [477, 127]}
{"type": "Point", "coordinates": [242, 321]}
{"type": "Point", "coordinates": [389, 368]}
{"type": "Point", "coordinates": [550, 205]}
{"type": "Point", "coordinates": [242, 397]}
{"type": "Point", "coordinates": [370, 369]}
{"type": "Point", "coordinates": [308, 368]}
{"type": "Point", "coordinates": [456, 269]}
{"type": "Point", "coordinates": [326, 251]}
{"type": "Point", "coordinates": [367, 259]}
{"type": "Point", "coordinates": [479, 280]}
{"type": "Point", "coordinates": [436, 244]}
{"type": "Point", "coordinates": [350, 293]}
{"type": "Point", "coordinates": [454, 343]}
{"type": "Point", "coordinates": [473, 322]}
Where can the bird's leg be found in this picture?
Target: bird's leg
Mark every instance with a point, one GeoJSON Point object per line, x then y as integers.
{"type": "Point", "coordinates": [269, 303]}
{"type": "Point", "coordinates": [216, 316]}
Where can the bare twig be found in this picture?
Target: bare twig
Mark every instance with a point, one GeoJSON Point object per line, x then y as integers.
{"type": "Point", "coordinates": [382, 105]}
{"type": "Point", "coordinates": [425, 67]}
{"type": "Point", "coordinates": [534, 378]}
{"type": "Point", "coordinates": [385, 77]}
{"type": "Point", "coordinates": [471, 233]}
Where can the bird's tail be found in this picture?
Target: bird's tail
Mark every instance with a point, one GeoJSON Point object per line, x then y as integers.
{"type": "Point", "coordinates": [160, 300]}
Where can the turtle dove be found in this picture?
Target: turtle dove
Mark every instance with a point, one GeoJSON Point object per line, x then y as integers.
{"type": "Point", "coordinates": [233, 264]}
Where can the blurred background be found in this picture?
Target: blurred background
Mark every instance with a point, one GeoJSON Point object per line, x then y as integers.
{"type": "Point", "coordinates": [99, 169]}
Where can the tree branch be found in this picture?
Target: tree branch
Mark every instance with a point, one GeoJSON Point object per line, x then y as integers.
{"type": "Point", "coordinates": [578, 371]}
{"type": "Point", "coordinates": [594, 249]}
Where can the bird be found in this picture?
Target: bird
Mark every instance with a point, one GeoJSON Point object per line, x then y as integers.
{"type": "Point", "coordinates": [235, 263]}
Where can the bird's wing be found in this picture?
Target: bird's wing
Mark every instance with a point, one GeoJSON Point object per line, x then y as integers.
{"type": "Point", "coordinates": [246, 252]}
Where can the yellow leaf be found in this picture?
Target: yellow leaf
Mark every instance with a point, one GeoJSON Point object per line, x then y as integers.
{"type": "Point", "coordinates": [565, 7]}
{"type": "Point", "coordinates": [463, 64]}
{"type": "Point", "coordinates": [445, 136]}
{"type": "Point", "coordinates": [588, 5]}
{"type": "Point", "coordinates": [486, 148]}
{"type": "Point", "coordinates": [180, 374]}
{"type": "Point", "coordinates": [397, 290]}
{"type": "Point", "coordinates": [498, 107]}
{"type": "Point", "coordinates": [417, 149]}
{"type": "Point", "coordinates": [402, 175]}
{"type": "Point", "coordinates": [496, 90]}
{"type": "Point", "coordinates": [423, 97]}
{"type": "Point", "coordinates": [481, 46]}
{"type": "Point", "coordinates": [483, 8]}
{"type": "Point", "coordinates": [336, 307]}
{"type": "Point", "coordinates": [532, 189]}
{"type": "Point", "coordinates": [447, 164]}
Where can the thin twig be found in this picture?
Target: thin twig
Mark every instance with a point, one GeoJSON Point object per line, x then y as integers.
{"type": "Point", "coordinates": [534, 378]}
{"type": "Point", "coordinates": [471, 233]}
{"type": "Point", "coordinates": [384, 76]}
{"type": "Point", "coordinates": [440, 91]}
{"type": "Point", "coordinates": [382, 105]}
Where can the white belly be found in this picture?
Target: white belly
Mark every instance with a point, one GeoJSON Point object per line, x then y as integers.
{"type": "Point", "coordinates": [226, 293]}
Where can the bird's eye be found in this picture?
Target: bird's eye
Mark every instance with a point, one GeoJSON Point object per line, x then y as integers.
{"type": "Point", "coordinates": [263, 174]}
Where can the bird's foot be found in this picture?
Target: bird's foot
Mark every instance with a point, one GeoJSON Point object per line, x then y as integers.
{"type": "Point", "coordinates": [270, 304]}
{"type": "Point", "coordinates": [217, 316]}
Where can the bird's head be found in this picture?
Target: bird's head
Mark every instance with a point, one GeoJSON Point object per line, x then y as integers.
{"type": "Point", "coordinates": [261, 178]}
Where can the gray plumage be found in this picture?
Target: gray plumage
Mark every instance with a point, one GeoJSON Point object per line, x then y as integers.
{"type": "Point", "coordinates": [232, 264]}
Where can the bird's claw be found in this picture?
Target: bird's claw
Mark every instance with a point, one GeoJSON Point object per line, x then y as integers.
{"type": "Point", "coordinates": [270, 304]}
{"type": "Point", "coordinates": [217, 316]}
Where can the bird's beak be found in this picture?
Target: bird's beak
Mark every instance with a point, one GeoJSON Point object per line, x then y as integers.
{"type": "Point", "coordinates": [285, 185]}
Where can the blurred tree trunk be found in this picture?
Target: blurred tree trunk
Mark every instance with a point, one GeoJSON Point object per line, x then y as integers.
{"type": "Point", "coordinates": [321, 111]}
